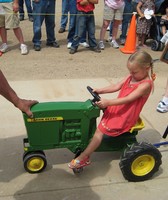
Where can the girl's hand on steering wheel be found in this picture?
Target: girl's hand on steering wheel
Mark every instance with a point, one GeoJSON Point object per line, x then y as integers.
{"type": "Point", "coordinates": [103, 103]}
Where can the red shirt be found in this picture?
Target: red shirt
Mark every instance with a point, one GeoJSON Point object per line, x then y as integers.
{"type": "Point", "coordinates": [86, 8]}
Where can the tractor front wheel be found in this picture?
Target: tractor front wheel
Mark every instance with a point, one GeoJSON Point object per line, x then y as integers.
{"type": "Point", "coordinates": [140, 161]}
{"type": "Point", "coordinates": [35, 162]}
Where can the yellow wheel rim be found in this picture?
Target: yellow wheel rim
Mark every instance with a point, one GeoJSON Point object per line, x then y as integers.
{"type": "Point", "coordinates": [143, 165]}
{"type": "Point", "coordinates": [35, 164]}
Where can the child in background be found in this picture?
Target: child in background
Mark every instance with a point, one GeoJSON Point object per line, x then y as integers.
{"type": "Point", "coordinates": [122, 113]}
{"type": "Point", "coordinates": [143, 24]}
{"type": "Point", "coordinates": [85, 22]}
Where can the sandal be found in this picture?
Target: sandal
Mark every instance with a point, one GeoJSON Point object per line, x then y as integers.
{"type": "Point", "coordinates": [76, 164]}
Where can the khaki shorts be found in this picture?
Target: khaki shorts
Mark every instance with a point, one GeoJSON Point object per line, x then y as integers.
{"type": "Point", "coordinates": [110, 13]}
{"type": "Point", "coordinates": [9, 20]}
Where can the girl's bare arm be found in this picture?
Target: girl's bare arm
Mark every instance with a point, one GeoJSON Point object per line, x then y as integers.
{"type": "Point", "coordinates": [142, 90]}
{"type": "Point", "coordinates": [111, 88]}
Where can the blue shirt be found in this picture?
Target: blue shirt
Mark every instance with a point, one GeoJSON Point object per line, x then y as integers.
{"type": "Point", "coordinates": [6, 1]}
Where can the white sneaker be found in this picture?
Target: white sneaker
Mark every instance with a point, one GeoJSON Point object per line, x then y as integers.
{"type": "Point", "coordinates": [101, 45]}
{"type": "Point", "coordinates": [4, 48]}
{"type": "Point", "coordinates": [84, 44]}
{"type": "Point", "coordinates": [24, 49]}
{"type": "Point", "coordinates": [114, 44]}
{"type": "Point", "coordinates": [162, 107]}
{"type": "Point", "coordinates": [69, 45]}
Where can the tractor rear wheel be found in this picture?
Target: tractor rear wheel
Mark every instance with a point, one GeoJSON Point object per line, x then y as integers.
{"type": "Point", "coordinates": [35, 162]}
{"type": "Point", "coordinates": [140, 161]}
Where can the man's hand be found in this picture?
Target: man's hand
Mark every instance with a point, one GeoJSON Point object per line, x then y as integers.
{"type": "Point", "coordinates": [25, 105]}
{"type": "Point", "coordinates": [15, 6]}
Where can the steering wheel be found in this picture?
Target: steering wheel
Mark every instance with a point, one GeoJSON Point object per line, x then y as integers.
{"type": "Point", "coordinates": [94, 94]}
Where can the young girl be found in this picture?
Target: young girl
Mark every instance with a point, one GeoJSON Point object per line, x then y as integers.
{"type": "Point", "coordinates": [143, 24]}
{"type": "Point", "coordinates": [123, 112]}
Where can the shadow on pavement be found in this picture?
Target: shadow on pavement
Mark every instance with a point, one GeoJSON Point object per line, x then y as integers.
{"type": "Point", "coordinates": [60, 183]}
{"type": "Point", "coordinates": [11, 158]}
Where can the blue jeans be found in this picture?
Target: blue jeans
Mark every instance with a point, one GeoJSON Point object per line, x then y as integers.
{"type": "Point", "coordinates": [126, 19]}
{"type": "Point", "coordinates": [28, 6]}
{"type": "Point", "coordinates": [72, 19]}
{"type": "Point", "coordinates": [69, 6]}
{"type": "Point", "coordinates": [44, 9]}
{"type": "Point", "coordinates": [65, 10]}
{"type": "Point", "coordinates": [84, 22]}
{"type": "Point", "coordinates": [111, 29]}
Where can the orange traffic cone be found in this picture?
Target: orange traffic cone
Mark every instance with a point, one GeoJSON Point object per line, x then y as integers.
{"type": "Point", "coordinates": [130, 44]}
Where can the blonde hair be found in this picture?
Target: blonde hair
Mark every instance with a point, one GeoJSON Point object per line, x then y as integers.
{"type": "Point", "coordinates": [143, 59]}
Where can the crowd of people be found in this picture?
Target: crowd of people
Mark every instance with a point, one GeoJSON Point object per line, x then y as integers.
{"type": "Point", "coordinates": [81, 30]}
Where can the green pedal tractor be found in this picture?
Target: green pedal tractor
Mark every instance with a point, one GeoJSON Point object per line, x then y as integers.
{"type": "Point", "coordinates": [71, 125]}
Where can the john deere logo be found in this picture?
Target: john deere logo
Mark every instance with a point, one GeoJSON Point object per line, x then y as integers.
{"type": "Point", "coordinates": [45, 119]}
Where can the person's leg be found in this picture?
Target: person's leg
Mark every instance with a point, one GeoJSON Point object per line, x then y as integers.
{"type": "Point", "coordinates": [72, 20]}
{"type": "Point", "coordinates": [50, 21]}
{"type": "Point", "coordinates": [107, 18]}
{"type": "Point", "coordinates": [102, 33]}
{"type": "Point", "coordinates": [93, 145]}
{"type": "Point", "coordinates": [116, 23]}
{"type": "Point", "coordinates": [3, 33]}
{"type": "Point", "coordinates": [12, 22]}
{"type": "Point", "coordinates": [21, 9]}
{"type": "Point", "coordinates": [83, 42]}
{"type": "Point", "coordinates": [65, 11]}
{"type": "Point", "coordinates": [91, 32]}
{"type": "Point", "coordinates": [80, 28]}
{"type": "Point", "coordinates": [111, 29]}
{"type": "Point", "coordinates": [64, 16]}
{"type": "Point", "coordinates": [142, 43]}
{"type": "Point", "coordinates": [19, 35]}
{"type": "Point", "coordinates": [118, 16]}
{"type": "Point", "coordinates": [126, 19]}
{"type": "Point", "coordinates": [38, 8]}
{"type": "Point", "coordinates": [29, 9]}
{"type": "Point", "coordinates": [103, 29]}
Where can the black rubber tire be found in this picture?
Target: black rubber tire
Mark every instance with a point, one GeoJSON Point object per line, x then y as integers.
{"type": "Point", "coordinates": [26, 153]}
{"type": "Point", "coordinates": [155, 45]}
{"type": "Point", "coordinates": [137, 156]}
{"type": "Point", "coordinates": [36, 167]}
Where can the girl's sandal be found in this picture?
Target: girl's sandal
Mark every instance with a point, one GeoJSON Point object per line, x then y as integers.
{"type": "Point", "coordinates": [75, 163]}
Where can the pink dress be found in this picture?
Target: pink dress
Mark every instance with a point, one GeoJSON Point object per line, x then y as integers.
{"type": "Point", "coordinates": [121, 118]}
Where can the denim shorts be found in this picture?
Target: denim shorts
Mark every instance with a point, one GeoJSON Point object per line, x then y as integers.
{"type": "Point", "coordinates": [9, 20]}
{"type": "Point", "coordinates": [110, 13]}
